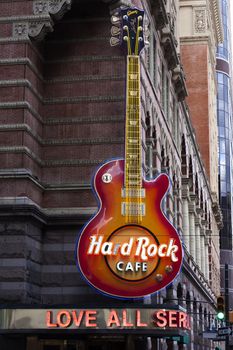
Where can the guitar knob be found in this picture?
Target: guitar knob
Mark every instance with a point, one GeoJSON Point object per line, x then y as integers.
{"type": "Point", "coordinates": [107, 178]}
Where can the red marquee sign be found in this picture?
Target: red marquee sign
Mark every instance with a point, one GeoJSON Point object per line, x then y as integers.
{"type": "Point", "coordinates": [167, 321]}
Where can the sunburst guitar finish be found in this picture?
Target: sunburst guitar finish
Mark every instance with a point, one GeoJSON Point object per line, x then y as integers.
{"type": "Point", "coordinates": [100, 270]}
{"type": "Point", "coordinates": [129, 249]}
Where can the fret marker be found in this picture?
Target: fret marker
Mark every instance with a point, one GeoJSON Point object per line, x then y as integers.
{"type": "Point", "coordinates": [133, 92]}
{"type": "Point", "coordinates": [133, 76]}
{"type": "Point", "coordinates": [132, 122]}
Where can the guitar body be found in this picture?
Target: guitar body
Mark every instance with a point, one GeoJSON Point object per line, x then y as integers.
{"type": "Point", "coordinates": [129, 249]}
{"type": "Point", "coordinates": [128, 266]}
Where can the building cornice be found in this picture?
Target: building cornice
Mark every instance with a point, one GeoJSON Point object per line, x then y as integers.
{"type": "Point", "coordinates": [207, 18]}
{"type": "Point", "coordinates": [214, 6]}
{"type": "Point", "coordinates": [41, 21]}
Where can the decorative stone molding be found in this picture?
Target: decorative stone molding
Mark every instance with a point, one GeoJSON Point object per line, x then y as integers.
{"type": "Point", "coordinates": [217, 214]}
{"type": "Point", "coordinates": [42, 20]}
{"type": "Point", "coordinates": [217, 19]}
{"type": "Point", "coordinates": [160, 13]}
{"type": "Point", "coordinates": [178, 78]}
{"type": "Point", "coordinates": [56, 8]}
{"type": "Point", "coordinates": [200, 20]}
{"type": "Point", "coordinates": [169, 44]}
{"type": "Point", "coordinates": [34, 29]}
{"type": "Point", "coordinates": [45, 12]}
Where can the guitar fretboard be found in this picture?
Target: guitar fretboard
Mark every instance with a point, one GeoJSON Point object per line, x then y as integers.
{"type": "Point", "coordinates": [133, 171]}
{"type": "Point", "coordinates": [133, 208]}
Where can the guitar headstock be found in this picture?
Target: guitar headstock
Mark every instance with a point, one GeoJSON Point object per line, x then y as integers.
{"type": "Point", "coordinates": [128, 30]}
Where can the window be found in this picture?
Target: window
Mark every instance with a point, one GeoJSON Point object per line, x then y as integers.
{"type": "Point", "coordinates": [165, 92]}
{"type": "Point", "coordinates": [155, 62]}
{"type": "Point", "coordinates": [175, 123]}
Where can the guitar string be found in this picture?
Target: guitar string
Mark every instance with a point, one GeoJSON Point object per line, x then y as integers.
{"type": "Point", "coordinates": [133, 132]}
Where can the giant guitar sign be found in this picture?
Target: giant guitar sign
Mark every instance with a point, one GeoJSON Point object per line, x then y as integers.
{"type": "Point", "coordinates": [129, 249]}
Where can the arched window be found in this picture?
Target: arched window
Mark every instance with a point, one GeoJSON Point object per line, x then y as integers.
{"type": "Point", "coordinates": [200, 319]}
{"type": "Point", "coordinates": [180, 294]}
{"type": "Point", "coordinates": [184, 167]}
{"type": "Point", "coordinates": [197, 190]}
{"type": "Point", "coordinates": [195, 328]}
{"type": "Point", "coordinates": [191, 173]}
{"type": "Point", "coordinates": [188, 303]}
{"type": "Point", "coordinates": [205, 320]}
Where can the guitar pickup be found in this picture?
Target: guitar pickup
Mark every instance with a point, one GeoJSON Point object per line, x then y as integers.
{"type": "Point", "coordinates": [133, 209]}
{"type": "Point", "coordinates": [133, 193]}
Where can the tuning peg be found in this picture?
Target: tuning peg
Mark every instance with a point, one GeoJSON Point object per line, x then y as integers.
{"type": "Point", "coordinates": [115, 19]}
{"type": "Point", "coordinates": [115, 31]}
{"type": "Point", "coordinates": [114, 41]}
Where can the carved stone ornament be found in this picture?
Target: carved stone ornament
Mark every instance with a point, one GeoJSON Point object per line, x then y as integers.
{"type": "Point", "coordinates": [200, 20]}
{"type": "Point", "coordinates": [56, 8]}
{"type": "Point", "coordinates": [41, 7]}
{"type": "Point", "coordinates": [20, 30]}
{"type": "Point", "coordinates": [39, 29]}
{"type": "Point", "coordinates": [44, 14]}
{"type": "Point", "coordinates": [33, 29]}
{"type": "Point", "coordinates": [42, 20]}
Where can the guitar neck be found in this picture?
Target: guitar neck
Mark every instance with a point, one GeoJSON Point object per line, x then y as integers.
{"type": "Point", "coordinates": [133, 152]}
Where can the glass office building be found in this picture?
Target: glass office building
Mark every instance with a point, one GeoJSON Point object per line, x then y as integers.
{"type": "Point", "coordinates": [225, 133]}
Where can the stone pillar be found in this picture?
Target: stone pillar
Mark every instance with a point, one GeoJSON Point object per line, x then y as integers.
{"type": "Point", "coordinates": [151, 58]}
{"type": "Point", "coordinates": [198, 242]}
{"type": "Point", "coordinates": [185, 208]}
{"type": "Point", "coordinates": [206, 259]}
{"type": "Point", "coordinates": [192, 234]}
{"type": "Point", "coordinates": [203, 260]}
{"type": "Point", "coordinates": [171, 295]}
{"type": "Point", "coordinates": [185, 211]}
{"type": "Point", "coordinates": [192, 213]}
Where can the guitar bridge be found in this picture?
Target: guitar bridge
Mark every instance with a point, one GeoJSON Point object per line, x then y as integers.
{"type": "Point", "coordinates": [133, 209]}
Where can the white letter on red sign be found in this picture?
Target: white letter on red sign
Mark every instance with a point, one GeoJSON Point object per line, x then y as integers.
{"type": "Point", "coordinates": [113, 319]}
{"type": "Point", "coordinates": [138, 320]}
{"type": "Point", "coordinates": [49, 322]}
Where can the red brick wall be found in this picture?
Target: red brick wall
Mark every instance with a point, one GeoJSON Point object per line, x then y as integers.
{"type": "Point", "coordinates": [194, 58]}
{"type": "Point", "coordinates": [68, 116]}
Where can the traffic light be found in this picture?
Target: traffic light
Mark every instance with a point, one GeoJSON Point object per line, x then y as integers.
{"type": "Point", "coordinates": [220, 308]}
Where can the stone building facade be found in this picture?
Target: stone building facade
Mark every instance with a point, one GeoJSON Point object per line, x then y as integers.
{"type": "Point", "coordinates": [62, 93]}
